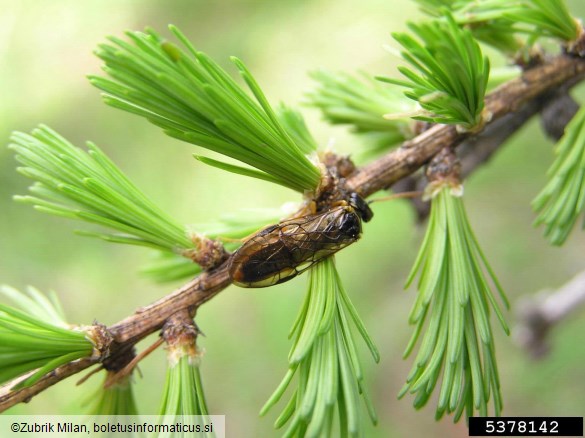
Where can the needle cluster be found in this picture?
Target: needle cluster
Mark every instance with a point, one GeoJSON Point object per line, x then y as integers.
{"type": "Point", "coordinates": [193, 99]}
{"type": "Point", "coordinates": [502, 23]}
{"type": "Point", "coordinates": [325, 359]}
{"type": "Point", "coordinates": [88, 186]}
{"type": "Point", "coordinates": [449, 72]}
{"type": "Point", "coordinates": [362, 103]}
{"type": "Point", "coordinates": [36, 340]}
{"type": "Point", "coordinates": [454, 301]}
{"type": "Point", "coordinates": [562, 200]}
{"type": "Point", "coordinates": [113, 399]}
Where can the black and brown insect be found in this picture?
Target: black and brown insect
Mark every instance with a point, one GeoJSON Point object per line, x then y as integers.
{"type": "Point", "coordinates": [280, 252]}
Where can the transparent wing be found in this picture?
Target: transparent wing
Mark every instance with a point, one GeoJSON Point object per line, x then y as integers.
{"type": "Point", "coordinates": [283, 251]}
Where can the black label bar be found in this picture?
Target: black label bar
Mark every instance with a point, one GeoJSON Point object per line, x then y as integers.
{"type": "Point", "coordinates": [525, 426]}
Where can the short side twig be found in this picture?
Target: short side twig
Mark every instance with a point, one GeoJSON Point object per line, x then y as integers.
{"type": "Point", "coordinates": [541, 312]}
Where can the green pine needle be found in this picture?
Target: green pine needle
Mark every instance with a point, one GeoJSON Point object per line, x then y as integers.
{"type": "Point", "coordinates": [239, 170]}
{"type": "Point", "coordinates": [454, 299]}
{"type": "Point", "coordinates": [488, 20]}
{"type": "Point", "coordinates": [117, 399]}
{"type": "Point", "coordinates": [345, 99]}
{"type": "Point", "coordinates": [435, 8]}
{"type": "Point", "coordinates": [46, 308]}
{"type": "Point", "coordinates": [295, 126]}
{"type": "Point", "coordinates": [183, 395]}
{"type": "Point", "coordinates": [562, 200]}
{"type": "Point", "coordinates": [499, 22]}
{"type": "Point", "coordinates": [548, 18]}
{"type": "Point", "coordinates": [87, 186]}
{"type": "Point", "coordinates": [28, 342]}
{"type": "Point", "coordinates": [183, 392]}
{"type": "Point", "coordinates": [476, 12]}
{"type": "Point", "coordinates": [450, 73]}
{"type": "Point", "coordinates": [166, 267]}
{"type": "Point", "coordinates": [193, 99]}
{"type": "Point", "coordinates": [325, 358]}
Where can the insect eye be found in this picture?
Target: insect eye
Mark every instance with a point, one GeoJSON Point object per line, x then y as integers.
{"type": "Point", "coordinates": [351, 225]}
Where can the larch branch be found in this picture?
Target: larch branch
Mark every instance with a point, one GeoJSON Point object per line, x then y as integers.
{"type": "Point", "coordinates": [380, 174]}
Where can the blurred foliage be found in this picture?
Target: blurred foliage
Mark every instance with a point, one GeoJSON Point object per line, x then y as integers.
{"type": "Point", "coordinates": [46, 51]}
{"type": "Point", "coordinates": [562, 200]}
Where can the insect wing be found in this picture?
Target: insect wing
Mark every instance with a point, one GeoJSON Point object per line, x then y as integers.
{"type": "Point", "coordinates": [281, 252]}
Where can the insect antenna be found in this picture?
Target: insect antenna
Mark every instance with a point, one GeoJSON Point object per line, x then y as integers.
{"type": "Point", "coordinates": [400, 195]}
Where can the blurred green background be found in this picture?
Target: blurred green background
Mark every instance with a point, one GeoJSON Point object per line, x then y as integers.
{"type": "Point", "coordinates": [45, 53]}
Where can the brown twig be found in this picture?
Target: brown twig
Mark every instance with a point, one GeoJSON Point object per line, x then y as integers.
{"type": "Point", "coordinates": [180, 329]}
{"type": "Point", "coordinates": [474, 152]}
{"type": "Point", "coordinates": [543, 311]}
{"type": "Point", "coordinates": [151, 318]}
{"type": "Point", "coordinates": [380, 174]}
{"type": "Point", "coordinates": [9, 398]}
{"type": "Point", "coordinates": [129, 331]}
{"type": "Point", "coordinates": [116, 376]}
{"type": "Point", "coordinates": [557, 112]}
{"type": "Point", "coordinates": [507, 98]}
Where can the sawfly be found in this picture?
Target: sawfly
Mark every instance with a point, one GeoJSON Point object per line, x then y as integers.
{"type": "Point", "coordinates": [280, 252]}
